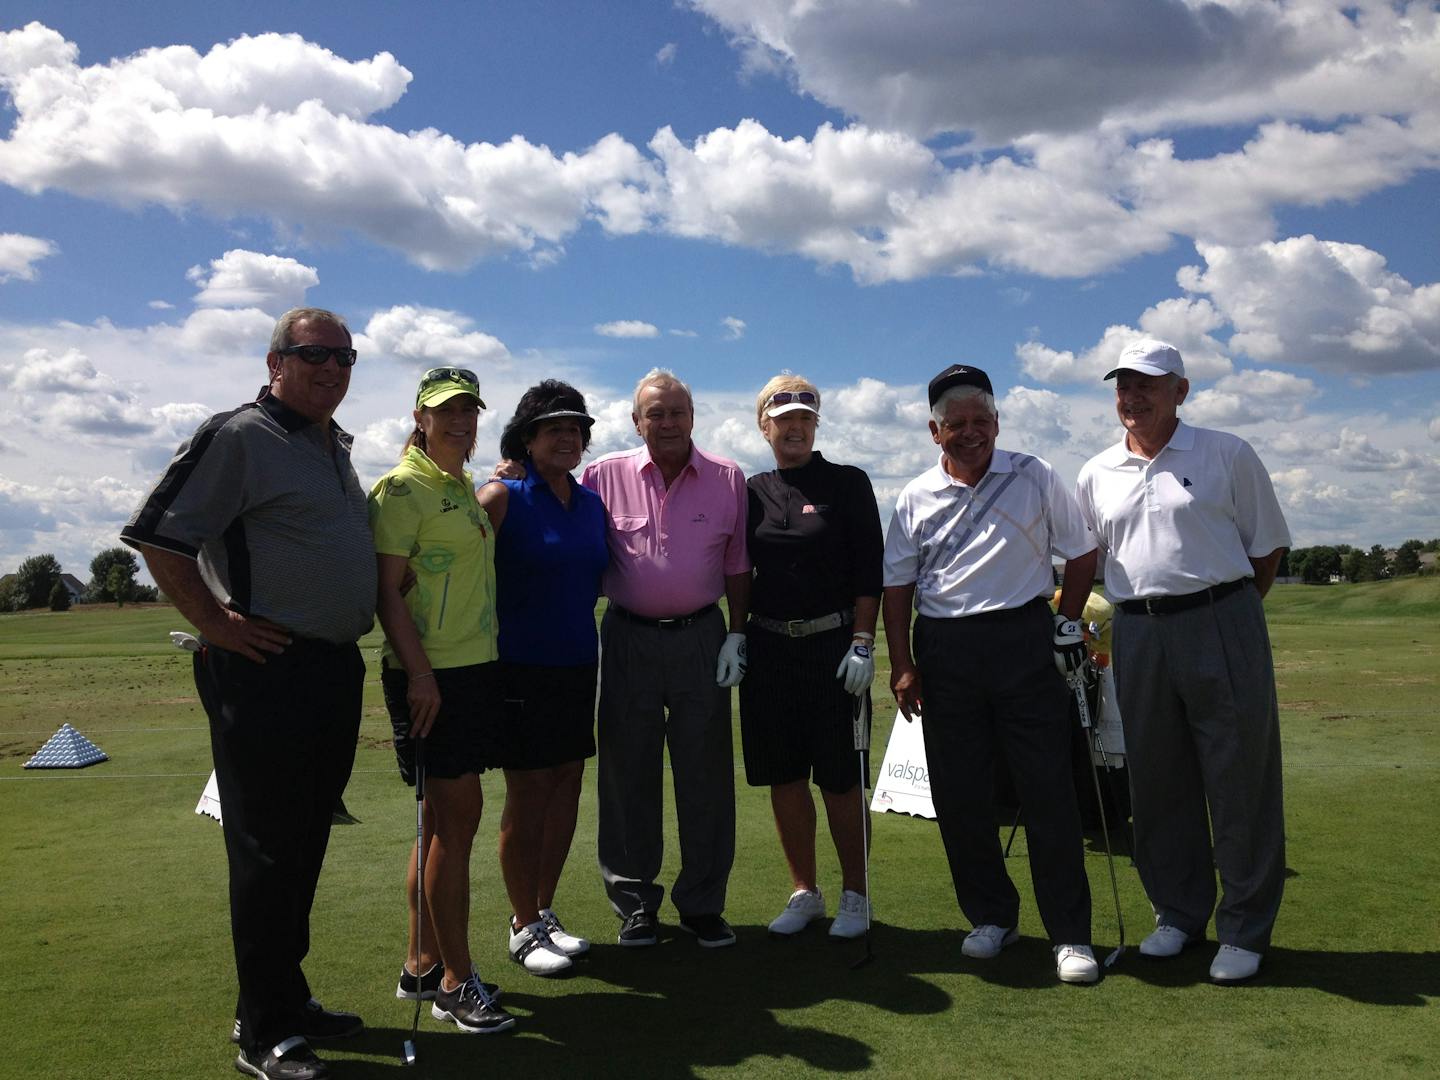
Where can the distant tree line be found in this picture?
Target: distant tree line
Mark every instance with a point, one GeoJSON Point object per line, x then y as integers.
{"type": "Point", "coordinates": [1324, 563]}
{"type": "Point", "coordinates": [37, 583]}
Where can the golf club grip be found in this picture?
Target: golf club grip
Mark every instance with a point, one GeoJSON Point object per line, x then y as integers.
{"type": "Point", "coordinates": [859, 725]}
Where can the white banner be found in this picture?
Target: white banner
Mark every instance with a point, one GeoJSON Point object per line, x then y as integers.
{"type": "Point", "coordinates": [903, 785]}
{"type": "Point", "coordinates": [209, 803]}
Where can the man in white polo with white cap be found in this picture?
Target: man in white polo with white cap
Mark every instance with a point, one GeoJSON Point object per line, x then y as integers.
{"type": "Point", "coordinates": [1192, 534]}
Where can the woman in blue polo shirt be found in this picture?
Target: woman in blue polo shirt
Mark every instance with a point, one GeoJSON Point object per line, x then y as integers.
{"type": "Point", "coordinates": [550, 552]}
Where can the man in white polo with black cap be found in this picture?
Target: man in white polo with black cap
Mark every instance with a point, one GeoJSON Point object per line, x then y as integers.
{"type": "Point", "coordinates": [970, 546]}
{"type": "Point", "coordinates": [1192, 534]}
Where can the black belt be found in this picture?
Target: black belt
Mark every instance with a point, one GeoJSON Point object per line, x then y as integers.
{"type": "Point", "coordinates": [677, 623]}
{"type": "Point", "coordinates": [1168, 605]}
{"type": "Point", "coordinates": [805, 627]}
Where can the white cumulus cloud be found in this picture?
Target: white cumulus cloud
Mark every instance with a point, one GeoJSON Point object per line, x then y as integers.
{"type": "Point", "coordinates": [179, 129]}
{"type": "Point", "coordinates": [430, 336]}
{"type": "Point", "coordinates": [20, 253]}
{"type": "Point", "coordinates": [1001, 71]}
{"type": "Point", "coordinates": [627, 328]}
{"type": "Point", "coordinates": [241, 278]}
{"type": "Point", "coordinates": [1321, 304]}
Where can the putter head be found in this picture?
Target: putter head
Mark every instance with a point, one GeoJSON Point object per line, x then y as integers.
{"type": "Point", "coordinates": [869, 954]}
{"type": "Point", "coordinates": [407, 1052]}
{"type": "Point", "coordinates": [1114, 956]}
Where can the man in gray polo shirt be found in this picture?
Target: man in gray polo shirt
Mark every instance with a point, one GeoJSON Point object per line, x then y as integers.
{"type": "Point", "coordinates": [258, 534]}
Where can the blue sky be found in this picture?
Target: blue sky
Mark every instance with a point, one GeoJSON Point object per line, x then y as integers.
{"type": "Point", "coordinates": [863, 191]}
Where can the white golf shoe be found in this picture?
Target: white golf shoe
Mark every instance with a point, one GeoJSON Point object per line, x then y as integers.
{"type": "Point", "coordinates": [1165, 942]}
{"type": "Point", "coordinates": [853, 916]}
{"type": "Point", "coordinates": [1076, 964]}
{"type": "Point", "coordinates": [1233, 964]}
{"type": "Point", "coordinates": [804, 908]}
{"type": "Point", "coordinates": [986, 941]}
{"type": "Point", "coordinates": [569, 944]}
{"type": "Point", "coordinates": [532, 949]}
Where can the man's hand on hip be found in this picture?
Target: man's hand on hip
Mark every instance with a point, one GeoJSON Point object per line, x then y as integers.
{"type": "Point", "coordinates": [730, 668]}
{"type": "Point", "coordinates": [250, 636]}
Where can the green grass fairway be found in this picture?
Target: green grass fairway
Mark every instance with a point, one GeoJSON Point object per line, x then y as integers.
{"type": "Point", "coordinates": [115, 957]}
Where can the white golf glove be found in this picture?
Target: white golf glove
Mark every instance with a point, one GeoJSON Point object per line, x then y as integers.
{"type": "Point", "coordinates": [730, 668]}
{"type": "Point", "coordinates": [1069, 645]}
{"type": "Point", "coordinates": [857, 669]}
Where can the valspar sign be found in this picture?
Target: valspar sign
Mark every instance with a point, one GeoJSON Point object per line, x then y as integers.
{"type": "Point", "coordinates": [903, 784]}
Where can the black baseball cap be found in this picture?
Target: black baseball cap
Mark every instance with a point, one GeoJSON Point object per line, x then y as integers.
{"type": "Point", "coordinates": [958, 375]}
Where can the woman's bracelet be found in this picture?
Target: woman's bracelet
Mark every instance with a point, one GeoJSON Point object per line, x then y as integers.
{"type": "Point", "coordinates": [422, 675]}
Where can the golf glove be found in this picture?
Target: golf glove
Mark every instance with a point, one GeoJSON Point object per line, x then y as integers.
{"type": "Point", "coordinates": [1069, 645]}
{"type": "Point", "coordinates": [730, 668]}
{"type": "Point", "coordinates": [857, 669]}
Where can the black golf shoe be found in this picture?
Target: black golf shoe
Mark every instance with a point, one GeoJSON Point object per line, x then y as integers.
{"type": "Point", "coordinates": [471, 1009]}
{"type": "Point", "coordinates": [711, 931]}
{"type": "Point", "coordinates": [291, 1059]}
{"type": "Point", "coordinates": [319, 1024]}
{"type": "Point", "coordinates": [640, 928]}
{"type": "Point", "coordinates": [429, 983]}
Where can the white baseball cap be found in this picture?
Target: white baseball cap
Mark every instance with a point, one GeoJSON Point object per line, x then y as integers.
{"type": "Point", "coordinates": [1149, 357]}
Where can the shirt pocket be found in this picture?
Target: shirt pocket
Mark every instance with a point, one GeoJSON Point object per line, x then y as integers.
{"type": "Point", "coordinates": [631, 536]}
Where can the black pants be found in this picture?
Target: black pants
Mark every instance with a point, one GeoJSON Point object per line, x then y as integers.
{"type": "Point", "coordinates": [989, 685]}
{"type": "Point", "coordinates": [283, 737]}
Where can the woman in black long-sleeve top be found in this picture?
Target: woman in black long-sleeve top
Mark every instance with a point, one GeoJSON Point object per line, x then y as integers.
{"type": "Point", "coordinates": [815, 541]}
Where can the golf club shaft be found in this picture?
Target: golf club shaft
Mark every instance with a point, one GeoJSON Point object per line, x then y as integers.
{"type": "Point", "coordinates": [1077, 683]}
{"type": "Point", "coordinates": [860, 729]}
{"type": "Point", "coordinates": [409, 1051]}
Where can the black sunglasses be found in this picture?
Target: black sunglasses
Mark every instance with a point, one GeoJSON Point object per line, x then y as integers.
{"type": "Point", "coordinates": [448, 374]}
{"type": "Point", "coordinates": [318, 354]}
{"type": "Point", "coordinates": [786, 397]}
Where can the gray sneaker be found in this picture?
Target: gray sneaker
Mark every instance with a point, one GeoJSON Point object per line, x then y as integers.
{"type": "Point", "coordinates": [985, 942]}
{"type": "Point", "coordinates": [853, 918]}
{"type": "Point", "coordinates": [803, 908]}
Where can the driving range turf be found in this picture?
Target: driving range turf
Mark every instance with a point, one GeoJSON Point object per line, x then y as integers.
{"type": "Point", "coordinates": [115, 957]}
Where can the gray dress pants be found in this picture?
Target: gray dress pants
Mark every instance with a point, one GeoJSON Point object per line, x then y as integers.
{"type": "Point", "coordinates": [1202, 730]}
{"type": "Point", "coordinates": [657, 687]}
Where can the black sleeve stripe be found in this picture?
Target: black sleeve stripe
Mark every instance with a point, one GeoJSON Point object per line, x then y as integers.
{"type": "Point", "coordinates": [168, 489]}
{"type": "Point", "coordinates": [237, 560]}
{"type": "Point", "coordinates": [129, 536]}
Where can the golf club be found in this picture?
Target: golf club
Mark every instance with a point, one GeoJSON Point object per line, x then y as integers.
{"type": "Point", "coordinates": [407, 1052]}
{"type": "Point", "coordinates": [860, 728]}
{"type": "Point", "coordinates": [1077, 684]}
{"type": "Point", "coordinates": [1014, 828]}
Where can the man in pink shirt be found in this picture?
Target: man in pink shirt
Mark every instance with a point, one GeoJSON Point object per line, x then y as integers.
{"type": "Point", "coordinates": [677, 542]}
